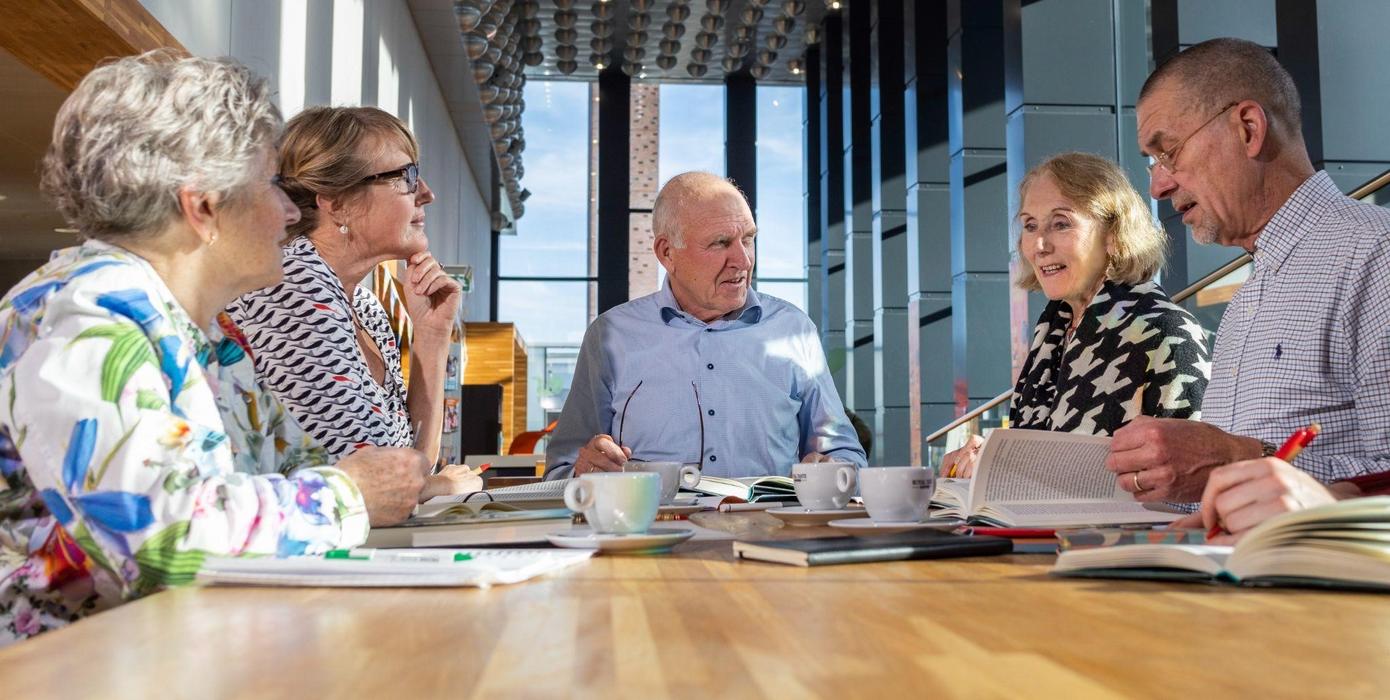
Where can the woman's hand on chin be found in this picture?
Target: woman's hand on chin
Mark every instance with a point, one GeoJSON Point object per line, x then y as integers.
{"type": "Point", "coordinates": [431, 296]}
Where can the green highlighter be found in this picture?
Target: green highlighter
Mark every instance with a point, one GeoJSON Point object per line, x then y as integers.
{"type": "Point", "coordinates": [391, 555]}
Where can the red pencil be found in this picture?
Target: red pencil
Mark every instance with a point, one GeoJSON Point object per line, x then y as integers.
{"type": "Point", "coordinates": [1290, 449]}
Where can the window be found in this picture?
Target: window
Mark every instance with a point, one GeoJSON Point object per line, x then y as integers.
{"type": "Point", "coordinates": [544, 283]}
{"type": "Point", "coordinates": [781, 213]}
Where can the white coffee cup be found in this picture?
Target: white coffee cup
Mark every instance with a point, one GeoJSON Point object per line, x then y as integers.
{"type": "Point", "coordinates": [616, 503]}
{"type": "Point", "coordinates": [897, 494]}
{"type": "Point", "coordinates": [674, 475]}
{"type": "Point", "coordinates": [823, 485]}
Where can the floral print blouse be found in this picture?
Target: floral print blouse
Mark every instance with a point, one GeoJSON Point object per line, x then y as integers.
{"type": "Point", "coordinates": [133, 444]}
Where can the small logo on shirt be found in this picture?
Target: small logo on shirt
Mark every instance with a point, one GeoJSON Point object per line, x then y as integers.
{"type": "Point", "coordinates": [1278, 350]}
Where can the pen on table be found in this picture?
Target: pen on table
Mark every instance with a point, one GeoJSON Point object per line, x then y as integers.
{"type": "Point", "coordinates": [1290, 449]}
{"type": "Point", "coordinates": [391, 555]}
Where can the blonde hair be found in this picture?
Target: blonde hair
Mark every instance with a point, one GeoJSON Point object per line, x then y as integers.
{"type": "Point", "coordinates": [139, 128]}
{"type": "Point", "coordinates": [1136, 245]}
{"type": "Point", "coordinates": [320, 155]}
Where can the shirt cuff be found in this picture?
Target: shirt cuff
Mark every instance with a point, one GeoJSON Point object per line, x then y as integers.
{"type": "Point", "coordinates": [353, 522]}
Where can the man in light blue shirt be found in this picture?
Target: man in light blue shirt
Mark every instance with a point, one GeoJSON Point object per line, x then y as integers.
{"type": "Point", "coordinates": [705, 370]}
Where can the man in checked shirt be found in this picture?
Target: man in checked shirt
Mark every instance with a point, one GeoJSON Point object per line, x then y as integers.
{"type": "Point", "coordinates": [1307, 337]}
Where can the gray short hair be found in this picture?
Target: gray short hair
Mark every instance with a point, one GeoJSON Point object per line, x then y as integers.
{"type": "Point", "coordinates": [139, 128]}
{"type": "Point", "coordinates": [1217, 72]}
{"type": "Point", "coordinates": [681, 191]}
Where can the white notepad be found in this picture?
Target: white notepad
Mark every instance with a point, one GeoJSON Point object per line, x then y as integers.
{"type": "Point", "coordinates": [487, 567]}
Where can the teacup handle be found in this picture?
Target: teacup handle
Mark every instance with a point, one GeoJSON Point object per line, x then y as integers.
{"type": "Point", "coordinates": [690, 476]}
{"type": "Point", "coordinates": [579, 496]}
{"type": "Point", "coordinates": [844, 479]}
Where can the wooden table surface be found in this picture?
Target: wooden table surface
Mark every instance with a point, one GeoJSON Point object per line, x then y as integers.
{"type": "Point", "coordinates": [697, 623]}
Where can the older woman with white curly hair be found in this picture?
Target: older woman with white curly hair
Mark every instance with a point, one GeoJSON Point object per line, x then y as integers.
{"type": "Point", "coordinates": [133, 439]}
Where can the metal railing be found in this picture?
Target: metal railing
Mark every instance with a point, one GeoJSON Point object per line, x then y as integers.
{"type": "Point", "coordinates": [1365, 190]}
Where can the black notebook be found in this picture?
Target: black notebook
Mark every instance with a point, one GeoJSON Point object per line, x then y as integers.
{"type": "Point", "coordinates": [854, 550]}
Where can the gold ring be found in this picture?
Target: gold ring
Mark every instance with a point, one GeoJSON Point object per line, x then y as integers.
{"type": "Point", "coordinates": [1137, 487]}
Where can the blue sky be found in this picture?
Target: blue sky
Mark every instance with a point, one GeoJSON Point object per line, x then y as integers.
{"type": "Point", "coordinates": [552, 237]}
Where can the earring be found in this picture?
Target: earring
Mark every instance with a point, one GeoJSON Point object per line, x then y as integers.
{"type": "Point", "coordinates": [212, 239]}
{"type": "Point", "coordinates": [343, 229]}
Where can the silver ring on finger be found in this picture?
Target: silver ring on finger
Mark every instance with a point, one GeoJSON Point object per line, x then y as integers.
{"type": "Point", "coordinates": [1137, 487]}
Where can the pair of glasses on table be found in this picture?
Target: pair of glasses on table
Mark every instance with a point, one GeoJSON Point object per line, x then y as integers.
{"type": "Point", "coordinates": [699, 415]}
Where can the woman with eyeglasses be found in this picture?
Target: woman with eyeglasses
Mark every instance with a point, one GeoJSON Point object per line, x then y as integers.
{"type": "Point", "coordinates": [320, 340]}
{"type": "Point", "coordinates": [134, 438]}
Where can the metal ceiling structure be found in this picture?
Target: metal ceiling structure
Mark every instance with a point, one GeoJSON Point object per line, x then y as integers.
{"type": "Point", "coordinates": [661, 41]}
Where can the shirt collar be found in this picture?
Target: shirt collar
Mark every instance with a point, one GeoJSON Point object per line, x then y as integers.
{"type": "Point", "coordinates": [1284, 230]}
{"type": "Point", "coordinates": [750, 313]}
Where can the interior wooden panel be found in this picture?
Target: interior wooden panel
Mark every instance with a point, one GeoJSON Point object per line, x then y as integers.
{"type": "Point", "coordinates": [497, 355]}
{"type": "Point", "coordinates": [64, 39]}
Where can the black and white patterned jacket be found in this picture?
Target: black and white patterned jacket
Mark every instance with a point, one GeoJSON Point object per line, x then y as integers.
{"type": "Point", "coordinates": [1135, 353]}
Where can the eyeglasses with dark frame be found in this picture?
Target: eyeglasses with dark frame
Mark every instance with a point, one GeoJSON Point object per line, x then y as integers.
{"type": "Point", "coordinates": [699, 414]}
{"type": "Point", "coordinates": [408, 173]}
{"type": "Point", "coordinates": [1168, 159]}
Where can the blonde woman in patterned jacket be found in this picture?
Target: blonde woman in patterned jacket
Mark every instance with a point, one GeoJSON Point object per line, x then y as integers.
{"type": "Point", "coordinates": [1110, 345]}
{"type": "Point", "coordinates": [127, 431]}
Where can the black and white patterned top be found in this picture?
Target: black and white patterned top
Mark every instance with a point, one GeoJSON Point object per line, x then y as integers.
{"type": "Point", "coordinates": [1134, 353]}
{"type": "Point", "coordinates": [1307, 337]}
{"type": "Point", "coordinates": [305, 349]}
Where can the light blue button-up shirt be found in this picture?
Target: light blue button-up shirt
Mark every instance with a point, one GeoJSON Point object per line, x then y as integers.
{"type": "Point", "coordinates": [756, 376]}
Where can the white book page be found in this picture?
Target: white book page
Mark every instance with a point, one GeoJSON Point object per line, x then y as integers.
{"type": "Point", "coordinates": [1037, 465]}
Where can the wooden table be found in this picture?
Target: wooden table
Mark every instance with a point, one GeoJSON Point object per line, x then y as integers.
{"type": "Point", "coordinates": [699, 624]}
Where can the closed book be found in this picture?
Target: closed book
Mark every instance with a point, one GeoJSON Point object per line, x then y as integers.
{"type": "Point", "coordinates": [486, 527]}
{"type": "Point", "coordinates": [854, 550]}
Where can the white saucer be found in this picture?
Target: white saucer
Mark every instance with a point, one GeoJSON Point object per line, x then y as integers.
{"type": "Point", "coordinates": [866, 526]}
{"type": "Point", "coordinates": [653, 540]}
{"type": "Point", "coordinates": [797, 516]}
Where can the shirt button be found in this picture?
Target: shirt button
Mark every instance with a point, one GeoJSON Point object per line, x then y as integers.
{"type": "Point", "coordinates": [708, 366]}
{"type": "Point", "coordinates": [711, 411]}
{"type": "Point", "coordinates": [712, 458]}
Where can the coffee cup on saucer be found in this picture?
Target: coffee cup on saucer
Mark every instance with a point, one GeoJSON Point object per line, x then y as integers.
{"type": "Point", "coordinates": [896, 494]}
{"type": "Point", "coordinates": [616, 503]}
{"type": "Point", "coordinates": [674, 475]}
{"type": "Point", "coordinates": [823, 485]}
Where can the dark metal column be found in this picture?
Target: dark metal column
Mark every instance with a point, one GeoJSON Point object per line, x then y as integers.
{"type": "Point", "coordinates": [741, 135]}
{"type": "Point", "coordinates": [892, 409]}
{"type": "Point", "coordinates": [859, 215]}
{"type": "Point", "coordinates": [613, 184]}
{"type": "Point", "coordinates": [979, 202]}
{"type": "Point", "coordinates": [811, 155]}
{"type": "Point", "coordinates": [928, 255]}
{"type": "Point", "coordinates": [832, 199]}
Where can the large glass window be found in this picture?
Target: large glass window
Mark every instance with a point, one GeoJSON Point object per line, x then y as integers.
{"type": "Point", "coordinates": [692, 130]}
{"type": "Point", "coordinates": [544, 281]}
{"type": "Point", "coordinates": [781, 213]}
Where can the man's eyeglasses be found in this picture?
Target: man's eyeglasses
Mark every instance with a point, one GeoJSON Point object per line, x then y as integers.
{"type": "Point", "coordinates": [1169, 158]}
{"type": "Point", "coordinates": [699, 413]}
{"type": "Point", "coordinates": [408, 174]}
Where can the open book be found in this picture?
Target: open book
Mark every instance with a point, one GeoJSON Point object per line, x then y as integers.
{"type": "Point", "coordinates": [1038, 478]}
{"type": "Point", "coordinates": [1342, 545]}
{"type": "Point", "coordinates": [542, 494]}
{"type": "Point", "coordinates": [749, 488]}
